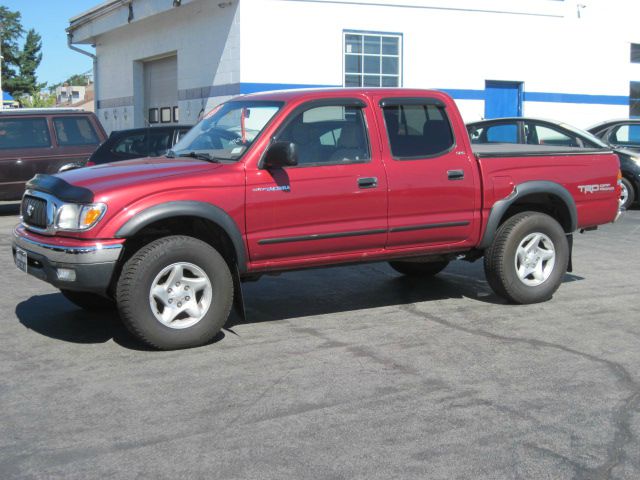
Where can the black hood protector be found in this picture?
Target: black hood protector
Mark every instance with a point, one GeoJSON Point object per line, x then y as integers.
{"type": "Point", "coordinates": [60, 189]}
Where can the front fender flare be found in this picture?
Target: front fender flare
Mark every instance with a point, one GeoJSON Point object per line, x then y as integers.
{"type": "Point", "coordinates": [190, 209]}
{"type": "Point", "coordinates": [520, 191]}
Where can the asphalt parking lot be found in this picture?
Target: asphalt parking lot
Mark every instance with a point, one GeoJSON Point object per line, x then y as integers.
{"type": "Point", "coordinates": [342, 373]}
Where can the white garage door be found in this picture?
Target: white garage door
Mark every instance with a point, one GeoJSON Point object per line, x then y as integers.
{"type": "Point", "coordinates": [161, 90]}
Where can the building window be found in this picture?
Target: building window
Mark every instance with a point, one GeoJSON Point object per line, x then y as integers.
{"type": "Point", "coordinates": [635, 53]}
{"type": "Point", "coordinates": [634, 99]}
{"type": "Point", "coordinates": [372, 60]}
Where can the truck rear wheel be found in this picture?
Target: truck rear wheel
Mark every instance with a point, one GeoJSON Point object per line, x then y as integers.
{"type": "Point", "coordinates": [419, 269]}
{"type": "Point", "coordinates": [528, 258]}
{"type": "Point", "coordinates": [175, 292]}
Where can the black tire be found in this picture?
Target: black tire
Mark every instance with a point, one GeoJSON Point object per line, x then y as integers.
{"type": "Point", "coordinates": [631, 194]}
{"type": "Point", "coordinates": [92, 302]}
{"type": "Point", "coordinates": [500, 258]}
{"type": "Point", "coordinates": [138, 275]}
{"type": "Point", "coordinates": [419, 269]}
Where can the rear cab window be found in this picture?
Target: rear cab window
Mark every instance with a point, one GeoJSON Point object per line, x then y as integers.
{"type": "Point", "coordinates": [75, 131]}
{"type": "Point", "coordinates": [417, 128]}
{"type": "Point", "coordinates": [24, 133]}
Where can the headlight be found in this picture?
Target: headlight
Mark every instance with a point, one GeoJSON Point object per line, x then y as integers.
{"type": "Point", "coordinates": [77, 217]}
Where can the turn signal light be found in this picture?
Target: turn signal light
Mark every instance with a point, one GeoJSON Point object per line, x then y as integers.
{"type": "Point", "coordinates": [90, 216]}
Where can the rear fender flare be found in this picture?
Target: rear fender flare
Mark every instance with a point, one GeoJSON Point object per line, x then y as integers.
{"type": "Point", "coordinates": [520, 191]}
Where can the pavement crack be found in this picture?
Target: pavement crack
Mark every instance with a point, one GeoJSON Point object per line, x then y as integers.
{"type": "Point", "coordinates": [621, 421]}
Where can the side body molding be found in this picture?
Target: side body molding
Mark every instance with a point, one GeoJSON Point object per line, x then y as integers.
{"type": "Point", "coordinates": [189, 209]}
{"type": "Point", "coordinates": [520, 191]}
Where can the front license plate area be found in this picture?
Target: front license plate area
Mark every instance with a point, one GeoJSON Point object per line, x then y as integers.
{"type": "Point", "coordinates": [21, 259]}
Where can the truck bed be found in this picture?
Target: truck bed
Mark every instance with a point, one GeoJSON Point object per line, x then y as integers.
{"type": "Point", "coordinates": [486, 150]}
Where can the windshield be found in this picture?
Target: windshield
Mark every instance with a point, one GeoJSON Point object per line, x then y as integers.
{"type": "Point", "coordinates": [227, 131]}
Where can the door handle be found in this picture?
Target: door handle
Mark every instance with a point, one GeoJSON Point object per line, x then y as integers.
{"type": "Point", "coordinates": [368, 182]}
{"type": "Point", "coordinates": [455, 174]}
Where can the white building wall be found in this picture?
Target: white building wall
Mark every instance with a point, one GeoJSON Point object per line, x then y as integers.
{"type": "Point", "coordinates": [203, 36]}
{"type": "Point", "coordinates": [574, 69]}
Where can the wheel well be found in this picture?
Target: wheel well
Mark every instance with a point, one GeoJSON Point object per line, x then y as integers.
{"type": "Point", "coordinates": [196, 227]}
{"type": "Point", "coordinates": [631, 180]}
{"type": "Point", "coordinates": [547, 203]}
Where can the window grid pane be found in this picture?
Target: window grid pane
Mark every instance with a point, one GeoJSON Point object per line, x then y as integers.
{"type": "Point", "coordinates": [634, 99]}
{"type": "Point", "coordinates": [635, 53]}
{"type": "Point", "coordinates": [371, 60]}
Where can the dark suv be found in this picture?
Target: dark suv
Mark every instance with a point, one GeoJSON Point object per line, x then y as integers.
{"type": "Point", "coordinates": [43, 141]}
{"type": "Point", "coordinates": [138, 142]}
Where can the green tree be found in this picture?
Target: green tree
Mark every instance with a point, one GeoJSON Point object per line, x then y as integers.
{"type": "Point", "coordinates": [19, 64]}
{"type": "Point", "coordinates": [11, 32]}
{"type": "Point", "coordinates": [30, 59]}
{"type": "Point", "coordinates": [37, 100]}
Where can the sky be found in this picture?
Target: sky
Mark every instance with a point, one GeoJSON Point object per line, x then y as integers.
{"type": "Point", "coordinates": [50, 18]}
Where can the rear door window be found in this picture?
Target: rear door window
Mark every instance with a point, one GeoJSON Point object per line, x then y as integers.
{"type": "Point", "coordinates": [418, 131]}
{"type": "Point", "coordinates": [75, 131]}
{"type": "Point", "coordinates": [159, 142]}
{"type": "Point", "coordinates": [543, 135]}
{"type": "Point", "coordinates": [24, 133]}
{"type": "Point", "coordinates": [131, 145]}
{"type": "Point", "coordinates": [506, 133]}
{"type": "Point", "coordinates": [626, 135]}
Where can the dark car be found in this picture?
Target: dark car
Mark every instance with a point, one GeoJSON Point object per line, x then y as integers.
{"type": "Point", "coordinates": [138, 142]}
{"type": "Point", "coordinates": [619, 133]}
{"type": "Point", "coordinates": [45, 140]}
{"type": "Point", "coordinates": [535, 131]}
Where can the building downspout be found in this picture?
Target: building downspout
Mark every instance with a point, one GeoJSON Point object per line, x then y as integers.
{"type": "Point", "coordinates": [95, 68]}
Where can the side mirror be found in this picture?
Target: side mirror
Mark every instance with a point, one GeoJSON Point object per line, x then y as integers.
{"type": "Point", "coordinates": [281, 154]}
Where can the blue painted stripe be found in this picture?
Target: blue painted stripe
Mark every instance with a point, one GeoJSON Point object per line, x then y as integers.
{"type": "Point", "coordinates": [576, 98]}
{"type": "Point", "coordinates": [266, 87]}
{"type": "Point", "coordinates": [465, 94]}
{"type": "Point", "coordinates": [462, 94]}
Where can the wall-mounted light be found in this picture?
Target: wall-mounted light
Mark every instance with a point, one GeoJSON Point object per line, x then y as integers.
{"type": "Point", "coordinates": [224, 4]}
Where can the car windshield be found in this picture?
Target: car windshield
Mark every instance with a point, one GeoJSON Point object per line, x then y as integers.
{"type": "Point", "coordinates": [227, 131]}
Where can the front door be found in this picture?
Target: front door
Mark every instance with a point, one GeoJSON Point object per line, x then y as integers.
{"type": "Point", "coordinates": [502, 99]}
{"type": "Point", "coordinates": [334, 202]}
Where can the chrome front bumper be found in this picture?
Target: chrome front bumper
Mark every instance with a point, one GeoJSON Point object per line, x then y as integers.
{"type": "Point", "coordinates": [92, 262]}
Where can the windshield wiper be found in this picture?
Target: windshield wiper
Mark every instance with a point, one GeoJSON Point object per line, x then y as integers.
{"type": "Point", "coordinates": [198, 155]}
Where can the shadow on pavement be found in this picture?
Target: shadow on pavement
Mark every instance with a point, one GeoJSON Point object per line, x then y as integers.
{"type": "Point", "coordinates": [292, 295]}
{"type": "Point", "coordinates": [54, 317]}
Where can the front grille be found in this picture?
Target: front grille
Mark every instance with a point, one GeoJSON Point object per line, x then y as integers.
{"type": "Point", "coordinates": [34, 211]}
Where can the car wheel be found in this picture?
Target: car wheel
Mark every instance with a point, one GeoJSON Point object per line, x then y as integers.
{"type": "Point", "coordinates": [175, 292]}
{"type": "Point", "coordinates": [528, 258]}
{"type": "Point", "coordinates": [91, 302]}
{"type": "Point", "coordinates": [419, 269]}
{"type": "Point", "coordinates": [627, 193]}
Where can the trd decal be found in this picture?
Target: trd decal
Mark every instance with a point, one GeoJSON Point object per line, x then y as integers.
{"type": "Point", "coordinates": [603, 187]}
{"type": "Point", "coordinates": [284, 188]}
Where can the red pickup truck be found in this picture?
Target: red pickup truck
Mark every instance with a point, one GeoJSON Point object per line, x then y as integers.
{"type": "Point", "coordinates": [289, 180]}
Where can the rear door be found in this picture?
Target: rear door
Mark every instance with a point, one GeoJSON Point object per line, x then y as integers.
{"type": "Point", "coordinates": [333, 202]}
{"type": "Point", "coordinates": [76, 139]}
{"type": "Point", "coordinates": [25, 149]}
{"type": "Point", "coordinates": [432, 178]}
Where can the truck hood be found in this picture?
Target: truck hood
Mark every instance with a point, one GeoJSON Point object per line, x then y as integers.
{"type": "Point", "coordinates": [103, 180]}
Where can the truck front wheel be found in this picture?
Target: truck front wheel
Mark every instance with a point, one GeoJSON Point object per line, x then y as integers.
{"type": "Point", "coordinates": [175, 292]}
{"type": "Point", "coordinates": [528, 258]}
